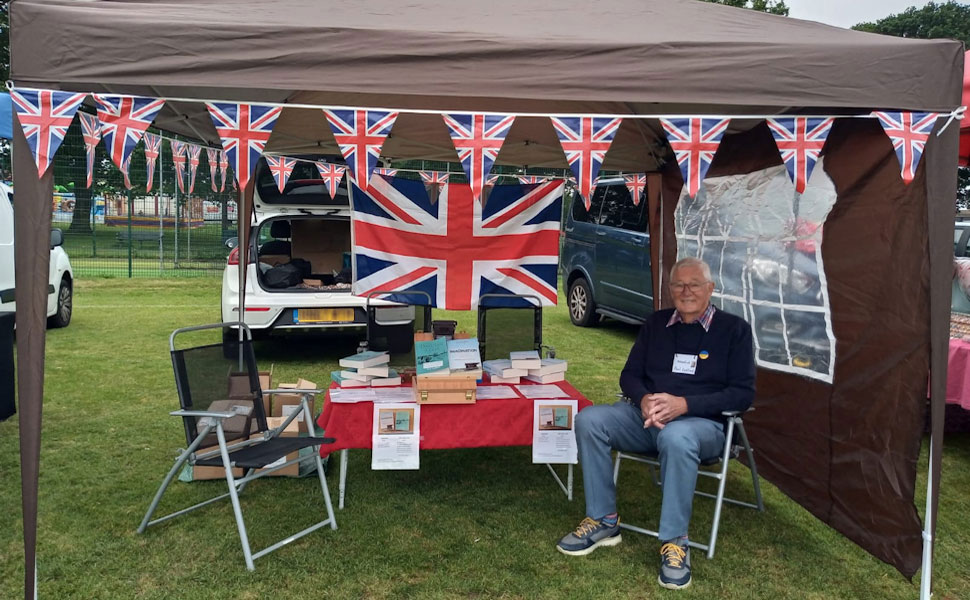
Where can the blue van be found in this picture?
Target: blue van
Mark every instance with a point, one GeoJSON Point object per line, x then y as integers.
{"type": "Point", "coordinates": [605, 258]}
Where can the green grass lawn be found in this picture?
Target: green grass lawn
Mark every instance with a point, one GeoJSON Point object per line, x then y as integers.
{"type": "Point", "coordinates": [470, 524]}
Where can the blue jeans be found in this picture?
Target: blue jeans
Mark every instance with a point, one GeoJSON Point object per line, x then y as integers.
{"type": "Point", "coordinates": [681, 445]}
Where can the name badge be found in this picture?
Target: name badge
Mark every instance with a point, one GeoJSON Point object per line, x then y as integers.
{"type": "Point", "coordinates": [685, 364]}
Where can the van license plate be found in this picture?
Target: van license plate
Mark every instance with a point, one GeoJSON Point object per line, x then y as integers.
{"type": "Point", "coordinates": [324, 315]}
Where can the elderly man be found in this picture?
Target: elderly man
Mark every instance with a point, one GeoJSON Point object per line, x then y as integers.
{"type": "Point", "coordinates": [686, 367]}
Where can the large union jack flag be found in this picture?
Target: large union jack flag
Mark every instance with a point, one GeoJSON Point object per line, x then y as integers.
{"type": "Point", "coordinates": [331, 175]}
{"type": "Point", "coordinates": [585, 140]}
{"type": "Point", "coordinates": [281, 167]}
{"type": "Point", "coordinates": [694, 142]}
{"type": "Point", "coordinates": [908, 132]}
{"type": "Point", "coordinates": [153, 147]}
{"type": "Point", "coordinates": [360, 135]}
{"type": "Point", "coordinates": [193, 152]}
{"type": "Point", "coordinates": [178, 159]}
{"type": "Point", "coordinates": [636, 184]}
{"type": "Point", "coordinates": [223, 168]}
{"type": "Point", "coordinates": [213, 158]}
{"type": "Point", "coordinates": [124, 120]}
{"type": "Point", "coordinates": [45, 116]}
{"type": "Point", "coordinates": [456, 249]}
{"type": "Point", "coordinates": [244, 130]}
{"type": "Point", "coordinates": [91, 133]}
{"type": "Point", "coordinates": [478, 139]}
{"type": "Point", "coordinates": [800, 141]}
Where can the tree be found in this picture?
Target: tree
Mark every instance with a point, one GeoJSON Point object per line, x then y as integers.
{"type": "Point", "coordinates": [775, 7]}
{"type": "Point", "coordinates": [935, 20]}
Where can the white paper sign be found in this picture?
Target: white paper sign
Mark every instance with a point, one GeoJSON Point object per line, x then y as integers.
{"type": "Point", "coordinates": [554, 431]}
{"type": "Point", "coordinates": [541, 391]}
{"type": "Point", "coordinates": [495, 392]}
{"type": "Point", "coordinates": [395, 436]}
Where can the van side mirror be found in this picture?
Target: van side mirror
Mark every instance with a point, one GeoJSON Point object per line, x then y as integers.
{"type": "Point", "coordinates": [57, 238]}
{"type": "Point", "coordinates": [232, 242]}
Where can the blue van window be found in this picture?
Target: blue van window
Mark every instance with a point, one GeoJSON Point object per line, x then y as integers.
{"type": "Point", "coordinates": [580, 214]}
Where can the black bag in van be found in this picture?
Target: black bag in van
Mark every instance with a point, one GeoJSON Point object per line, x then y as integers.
{"type": "Point", "coordinates": [283, 276]}
{"type": "Point", "coordinates": [303, 266]}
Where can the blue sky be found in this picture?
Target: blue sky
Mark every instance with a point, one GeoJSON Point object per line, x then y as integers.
{"type": "Point", "coordinates": [846, 13]}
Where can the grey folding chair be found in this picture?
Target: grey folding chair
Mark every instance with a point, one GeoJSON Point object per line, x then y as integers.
{"type": "Point", "coordinates": [733, 446]}
{"type": "Point", "coordinates": [510, 322]}
{"type": "Point", "coordinates": [225, 425]}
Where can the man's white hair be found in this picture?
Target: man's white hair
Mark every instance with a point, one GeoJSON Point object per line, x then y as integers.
{"type": "Point", "coordinates": [691, 261]}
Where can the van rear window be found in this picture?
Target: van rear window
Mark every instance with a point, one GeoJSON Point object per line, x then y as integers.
{"type": "Point", "coordinates": [304, 187]}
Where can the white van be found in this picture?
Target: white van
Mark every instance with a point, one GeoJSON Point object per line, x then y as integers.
{"type": "Point", "coordinates": [301, 242]}
{"type": "Point", "coordinates": [60, 283]}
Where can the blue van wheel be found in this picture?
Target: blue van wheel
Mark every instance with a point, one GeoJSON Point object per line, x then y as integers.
{"type": "Point", "coordinates": [582, 309]}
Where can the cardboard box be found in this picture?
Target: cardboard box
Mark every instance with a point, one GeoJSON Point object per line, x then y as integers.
{"type": "Point", "coordinates": [217, 472]}
{"type": "Point", "coordinates": [321, 242]}
{"type": "Point", "coordinates": [281, 401]}
{"type": "Point", "coordinates": [239, 386]}
{"type": "Point", "coordinates": [291, 431]}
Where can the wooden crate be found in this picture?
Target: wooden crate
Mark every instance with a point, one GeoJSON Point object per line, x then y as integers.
{"type": "Point", "coordinates": [456, 388]}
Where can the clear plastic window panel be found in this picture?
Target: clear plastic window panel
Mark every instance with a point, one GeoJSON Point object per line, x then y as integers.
{"type": "Point", "coordinates": [763, 242]}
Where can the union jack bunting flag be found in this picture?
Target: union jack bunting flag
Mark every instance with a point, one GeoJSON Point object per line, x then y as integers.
{"type": "Point", "coordinates": [153, 147]}
{"type": "Point", "coordinates": [124, 120]}
{"type": "Point", "coordinates": [91, 133]}
{"type": "Point", "coordinates": [800, 141]}
{"type": "Point", "coordinates": [530, 179]}
{"type": "Point", "coordinates": [478, 139]}
{"type": "Point", "coordinates": [45, 116]}
{"type": "Point", "coordinates": [493, 179]}
{"type": "Point", "coordinates": [585, 140]}
{"type": "Point", "coordinates": [331, 175]}
{"type": "Point", "coordinates": [281, 168]}
{"type": "Point", "coordinates": [223, 168]}
{"type": "Point", "coordinates": [456, 249]}
{"type": "Point", "coordinates": [636, 184]}
{"type": "Point", "coordinates": [908, 132]}
{"type": "Point", "coordinates": [178, 159]}
{"type": "Point", "coordinates": [125, 171]}
{"type": "Point", "coordinates": [213, 157]}
{"type": "Point", "coordinates": [694, 142]}
{"type": "Point", "coordinates": [385, 172]}
{"type": "Point", "coordinates": [436, 178]}
{"type": "Point", "coordinates": [360, 135]}
{"type": "Point", "coordinates": [244, 130]}
{"type": "Point", "coordinates": [193, 152]}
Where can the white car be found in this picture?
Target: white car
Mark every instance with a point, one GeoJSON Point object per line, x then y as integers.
{"type": "Point", "coordinates": [301, 243]}
{"type": "Point", "coordinates": [60, 283]}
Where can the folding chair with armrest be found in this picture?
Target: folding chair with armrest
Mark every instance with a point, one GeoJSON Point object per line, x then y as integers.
{"type": "Point", "coordinates": [735, 425]}
{"type": "Point", "coordinates": [505, 322]}
{"type": "Point", "coordinates": [225, 425]}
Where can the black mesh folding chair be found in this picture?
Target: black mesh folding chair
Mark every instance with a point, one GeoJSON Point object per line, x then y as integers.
{"type": "Point", "coordinates": [225, 425]}
{"type": "Point", "coordinates": [391, 328]}
{"type": "Point", "coordinates": [735, 442]}
{"type": "Point", "coordinates": [508, 323]}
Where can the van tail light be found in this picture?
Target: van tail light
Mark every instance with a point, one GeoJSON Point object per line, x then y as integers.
{"type": "Point", "coordinates": [234, 257]}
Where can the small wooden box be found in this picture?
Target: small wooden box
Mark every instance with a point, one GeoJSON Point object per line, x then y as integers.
{"type": "Point", "coordinates": [456, 388]}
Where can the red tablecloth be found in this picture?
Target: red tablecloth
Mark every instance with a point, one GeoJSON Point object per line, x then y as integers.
{"type": "Point", "coordinates": [485, 423]}
{"type": "Point", "coordinates": [958, 374]}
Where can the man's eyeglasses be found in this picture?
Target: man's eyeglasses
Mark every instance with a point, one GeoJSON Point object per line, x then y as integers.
{"type": "Point", "coordinates": [693, 286]}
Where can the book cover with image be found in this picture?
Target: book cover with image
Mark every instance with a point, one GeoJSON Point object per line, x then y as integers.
{"type": "Point", "coordinates": [464, 356]}
{"type": "Point", "coordinates": [431, 356]}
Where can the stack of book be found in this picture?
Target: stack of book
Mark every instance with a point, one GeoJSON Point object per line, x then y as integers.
{"type": "Point", "coordinates": [502, 371]}
{"type": "Point", "coordinates": [366, 369]}
{"type": "Point", "coordinates": [550, 370]}
{"type": "Point", "coordinates": [442, 357]}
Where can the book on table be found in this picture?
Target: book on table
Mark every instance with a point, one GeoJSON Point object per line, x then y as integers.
{"type": "Point", "coordinates": [504, 380]}
{"type": "Point", "coordinates": [547, 378]}
{"type": "Point", "coordinates": [525, 359]}
{"type": "Point", "coordinates": [391, 379]}
{"type": "Point", "coordinates": [368, 358]}
{"type": "Point", "coordinates": [431, 356]}
{"type": "Point", "coordinates": [502, 367]}
{"type": "Point", "coordinates": [549, 365]}
{"type": "Point", "coordinates": [355, 374]}
{"type": "Point", "coordinates": [464, 356]}
{"type": "Point", "coordinates": [344, 382]}
{"type": "Point", "coordinates": [375, 371]}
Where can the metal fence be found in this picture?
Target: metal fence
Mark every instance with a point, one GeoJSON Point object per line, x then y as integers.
{"type": "Point", "coordinates": [110, 231]}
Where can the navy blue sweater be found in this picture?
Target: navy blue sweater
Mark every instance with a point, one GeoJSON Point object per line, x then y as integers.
{"type": "Point", "coordinates": [722, 381]}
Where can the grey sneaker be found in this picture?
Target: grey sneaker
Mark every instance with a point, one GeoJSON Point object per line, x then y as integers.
{"type": "Point", "coordinates": [674, 565]}
{"type": "Point", "coordinates": [590, 535]}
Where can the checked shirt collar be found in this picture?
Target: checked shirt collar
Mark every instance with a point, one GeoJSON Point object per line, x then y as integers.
{"type": "Point", "coordinates": [705, 319]}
